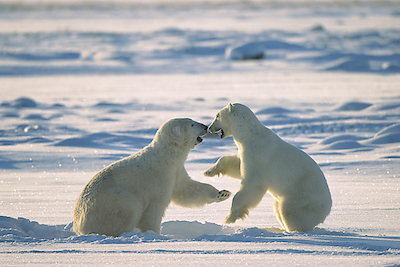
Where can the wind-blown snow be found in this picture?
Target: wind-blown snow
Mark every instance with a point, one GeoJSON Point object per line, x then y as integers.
{"type": "Point", "coordinates": [203, 39]}
{"type": "Point", "coordinates": [79, 94]}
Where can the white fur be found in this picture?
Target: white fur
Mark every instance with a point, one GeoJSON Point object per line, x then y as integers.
{"type": "Point", "coordinates": [266, 163]}
{"type": "Point", "coordinates": [135, 191]}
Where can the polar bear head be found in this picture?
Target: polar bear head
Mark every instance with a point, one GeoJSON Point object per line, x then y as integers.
{"type": "Point", "coordinates": [182, 132]}
{"type": "Point", "coordinates": [230, 116]}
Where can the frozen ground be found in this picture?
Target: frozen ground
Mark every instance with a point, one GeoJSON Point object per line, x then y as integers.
{"type": "Point", "coordinates": [84, 85]}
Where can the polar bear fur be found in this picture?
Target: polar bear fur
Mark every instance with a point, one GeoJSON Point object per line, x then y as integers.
{"type": "Point", "coordinates": [266, 163]}
{"type": "Point", "coordinates": [135, 191]}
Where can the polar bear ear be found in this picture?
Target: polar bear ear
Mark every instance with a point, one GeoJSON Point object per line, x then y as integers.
{"type": "Point", "coordinates": [231, 108]}
{"type": "Point", "coordinates": [177, 130]}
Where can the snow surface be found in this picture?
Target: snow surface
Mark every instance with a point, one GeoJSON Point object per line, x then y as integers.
{"type": "Point", "coordinates": [85, 84]}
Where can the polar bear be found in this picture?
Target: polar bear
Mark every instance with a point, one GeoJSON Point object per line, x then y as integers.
{"type": "Point", "coordinates": [135, 191]}
{"type": "Point", "coordinates": [265, 163]}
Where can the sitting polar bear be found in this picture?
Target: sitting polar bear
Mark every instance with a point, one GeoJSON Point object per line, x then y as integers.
{"type": "Point", "coordinates": [135, 191]}
{"type": "Point", "coordinates": [266, 163]}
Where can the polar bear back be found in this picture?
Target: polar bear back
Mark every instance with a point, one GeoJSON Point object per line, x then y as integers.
{"type": "Point", "coordinates": [140, 173]}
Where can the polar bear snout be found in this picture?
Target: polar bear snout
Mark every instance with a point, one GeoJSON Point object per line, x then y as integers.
{"type": "Point", "coordinates": [199, 140]}
{"type": "Point", "coordinates": [202, 131]}
{"type": "Point", "coordinates": [202, 128]}
{"type": "Point", "coordinates": [220, 132]}
{"type": "Point", "coordinates": [205, 127]}
{"type": "Point", "coordinates": [216, 130]}
{"type": "Point", "coordinates": [213, 128]}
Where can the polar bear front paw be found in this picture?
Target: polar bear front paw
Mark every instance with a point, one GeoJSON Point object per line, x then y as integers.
{"type": "Point", "coordinates": [223, 195]}
{"type": "Point", "coordinates": [229, 219]}
{"type": "Point", "coordinates": [212, 172]}
{"type": "Point", "coordinates": [232, 217]}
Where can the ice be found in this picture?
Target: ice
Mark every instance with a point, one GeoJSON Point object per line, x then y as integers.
{"type": "Point", "coordinates": [84, 85]}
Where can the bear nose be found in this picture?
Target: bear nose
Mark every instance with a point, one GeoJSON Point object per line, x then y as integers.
{"type": "Point", "coordinates": [205, 127]}
{"type": "Point", "coordinates": [211, 128]}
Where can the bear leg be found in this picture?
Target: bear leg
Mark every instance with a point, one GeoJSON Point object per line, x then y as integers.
{"type": "Point", "coordinates": [223, 195]}
{"type": "Point", "coordinates": [302, 217]}
{"type": "Point", "coordinates": [248, 197]}
{"type": "Point", "coordinates": [191, 193]}
{"type": "Point", "coordinates": [277, 212]}
{"type": "Point", "coordinates": [226, 165]}
{"type": "Point", "coordinates": [151, 218]}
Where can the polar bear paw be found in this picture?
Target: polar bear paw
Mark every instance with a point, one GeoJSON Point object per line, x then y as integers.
{"type": "Point", "coordinates": [212, 172]}
{"type": "Point", "coordinates": [223, 195]}
{"type": "Point", "coordinates": [232, 217]}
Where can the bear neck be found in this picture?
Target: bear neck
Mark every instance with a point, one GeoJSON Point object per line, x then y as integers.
{"type": "Point", "coordinates": [246, 130]}
{"type": "Point", "coordinates": [175, 151]}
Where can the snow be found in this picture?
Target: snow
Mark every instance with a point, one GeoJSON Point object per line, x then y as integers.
{"type": "Point", "coordinates": [247, 51]}
{"type": "Point", "coordinates": [84, 85]}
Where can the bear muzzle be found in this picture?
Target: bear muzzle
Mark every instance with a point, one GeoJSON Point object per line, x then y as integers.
{"type": "Point", "coordinates": [199, 140]}
{"type": "Point", "coordinates": [219, 131]}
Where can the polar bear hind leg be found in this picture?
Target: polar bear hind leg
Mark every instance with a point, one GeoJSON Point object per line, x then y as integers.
{"type": "Point", "coordinates": [277, 212]}
{"type": "Point", "coordinates": [109, 217]}
{"type": "Point", "coordinates": [296, 216]}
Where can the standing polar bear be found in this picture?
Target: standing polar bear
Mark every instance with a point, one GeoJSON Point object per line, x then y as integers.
{"type": "Point", "coordinates": [266, 163]}
{"type": "Point", "coordinates": [135, 191]}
